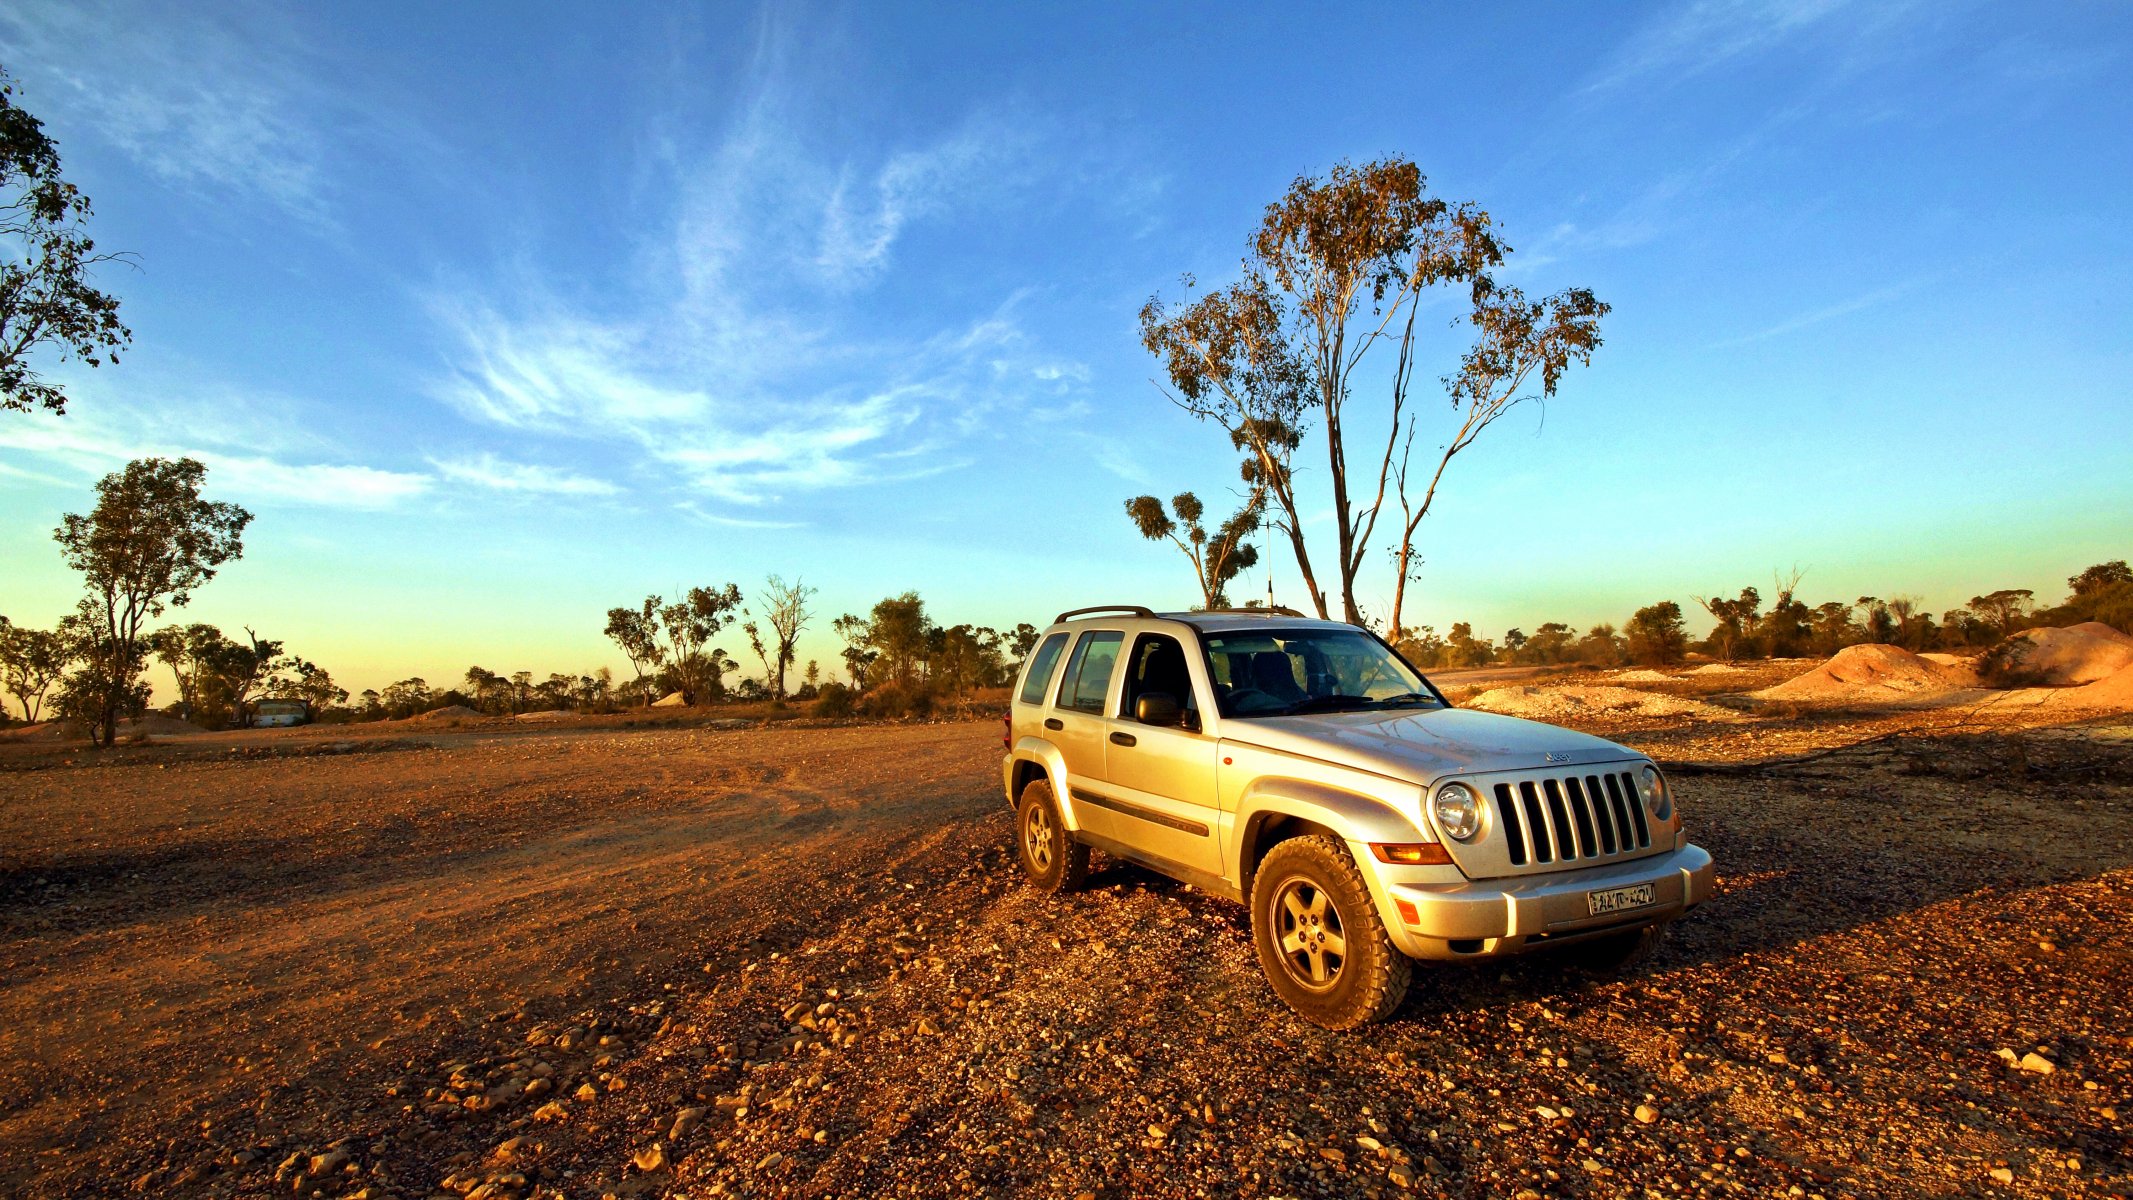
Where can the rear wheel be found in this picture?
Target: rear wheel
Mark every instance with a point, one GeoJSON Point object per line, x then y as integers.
{"type": "Point", "coordinates": [1320, 941]}
{"type": "Point", "coordinates": [1053, 861]}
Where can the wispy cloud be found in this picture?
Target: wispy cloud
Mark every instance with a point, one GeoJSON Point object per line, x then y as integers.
{"type": "Point", "coordinates": [737, 363]}
{"type": "Point", "coordinates": [1693, 38]}
{"type": "Point", "coordinates": [223, 103]}
{"type": "Point", "coordinates": [489, 471]}
{"type": "Point", "coordinates": [90, 447]}
{"type": "Point", "coordinates": [1817, 316]}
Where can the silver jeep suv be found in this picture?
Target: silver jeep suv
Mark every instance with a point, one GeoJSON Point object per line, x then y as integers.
{"type": "Point", "coordinates": [1304, 768]}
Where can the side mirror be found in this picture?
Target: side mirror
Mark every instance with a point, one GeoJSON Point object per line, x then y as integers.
{"type": "Point", "coordinates": [1157, 708]}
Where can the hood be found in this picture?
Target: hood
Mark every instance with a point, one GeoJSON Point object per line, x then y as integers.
{"type": "Point", "coordinates": [1422, 745]}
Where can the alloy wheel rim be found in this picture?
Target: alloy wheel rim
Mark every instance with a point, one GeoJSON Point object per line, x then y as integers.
{"type": "Point", "coordinates": [1037, 837]}
{"type": "Point", "coordinates": [1307, 928]}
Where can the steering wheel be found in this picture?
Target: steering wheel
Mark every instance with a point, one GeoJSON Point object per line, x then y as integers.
{"type": "Point", "coordinates": [1238, 696]}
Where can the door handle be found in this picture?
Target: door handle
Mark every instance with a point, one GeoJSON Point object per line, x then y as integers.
{"type": "Point", "coordinates": [1054, 723]}
{"type": "Point", "coordinates": [1123, 739]}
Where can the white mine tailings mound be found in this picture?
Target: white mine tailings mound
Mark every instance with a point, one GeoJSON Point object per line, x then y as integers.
{"type": "Point", "coordinates": [1872, 672]}
{"type": "Point", "coordinates": [670, 700]}
{"type": "Point", "coordinates": [2084, 653]}
{"type": "Point", "coordinates": [1644, 675]}
{"type": "Point", "coordinates": [2113, 692]}
{"type": "Point", "coordinates": [449, 712]}
{"type": "Point", "coordinates": [1554, 703]}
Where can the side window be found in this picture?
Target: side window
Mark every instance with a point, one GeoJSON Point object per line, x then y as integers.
{"type": "Point", "coordinates": [1157, 665]}
{"type": "Point", "coordinates": [1088, 672]}
{"type": "Point", "coordinates": [1039, 672]}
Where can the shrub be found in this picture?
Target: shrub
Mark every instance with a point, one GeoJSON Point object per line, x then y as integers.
{"type": "Point", "coordinates": [834, 700]}
{"type": "Point", "coordinates": [893, 700]}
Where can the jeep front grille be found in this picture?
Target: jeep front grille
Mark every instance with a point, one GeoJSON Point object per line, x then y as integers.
{"type": "Point", "coordinates": [1570, 817]}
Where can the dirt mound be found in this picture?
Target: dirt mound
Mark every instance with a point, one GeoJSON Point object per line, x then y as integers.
{"type": "Point", "coordinates": [2059, 657]}
{"type": "Point", "coordinates": [157, 724]}
{"type": "Point", "coordinates": [1717, 669]}
{"type": "Point", "coordinates": [1644, 675]}
{"type": "Point", "coordinates": [450, 712]}
{"type": "Point", "coordinates": [2113, 692]}
{"type": "Point", "coordinates": [547, 714]}
{"type": "Point", "coordinates": [1870, 672]}
{"type": "Point", "coordinates": [670, 700]}
{"type": "Point", "coordinates": [42, 731]}
{"type": "Point", "coordinates": [1552, 703]}
{"type": "Point", "coordinates": [2099, 629]}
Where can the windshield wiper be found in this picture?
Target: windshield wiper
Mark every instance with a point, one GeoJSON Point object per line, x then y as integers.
{"type": "Point", "coordinates": [1315, 703]}
{"type": "Point", "coordinates": [1408, 698]}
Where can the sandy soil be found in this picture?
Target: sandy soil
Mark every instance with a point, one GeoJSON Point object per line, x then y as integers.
{"type": "Point", "coordinates": [559, 960]}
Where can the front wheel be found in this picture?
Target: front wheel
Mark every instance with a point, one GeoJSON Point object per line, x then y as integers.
{"type": "Point", "coordinates": [1320, 941]}
{"type": "Point", "coordinates": [1053, 861]}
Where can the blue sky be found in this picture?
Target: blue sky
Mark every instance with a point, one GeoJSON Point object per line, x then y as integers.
{"type": "Point", "coordinates": [497, 317]}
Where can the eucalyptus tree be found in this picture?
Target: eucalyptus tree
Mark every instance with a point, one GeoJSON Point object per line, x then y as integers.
{"type": "Point", "coordinates": [1216, 557]}
{"type": "Point", "coordinates": [1333, 284]}
{"type": "Point", "coordinates": [47, 301]}
{"type": "Point", "coordinates": [149, 543]}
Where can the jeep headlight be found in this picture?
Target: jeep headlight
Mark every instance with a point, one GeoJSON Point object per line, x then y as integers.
{"type": "Point", "coordinates": [1656, 801]}
{"type": "Point", "coordinates": [1457, 811]}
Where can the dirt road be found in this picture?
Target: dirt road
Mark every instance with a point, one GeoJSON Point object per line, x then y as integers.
{"type": "Point", "coordinates": [599, 961]}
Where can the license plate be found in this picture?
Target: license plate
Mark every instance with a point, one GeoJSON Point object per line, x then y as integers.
{"type": "Point", "coordinates": [1615, 900]}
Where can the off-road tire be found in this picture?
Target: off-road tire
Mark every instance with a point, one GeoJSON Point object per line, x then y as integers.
{"type": "Point", "coordinates": [1616, 951]}
{"type": "Point", "coordinates": [1372, 976]}
{"type": "Point", "coordinates": [1055, 862]}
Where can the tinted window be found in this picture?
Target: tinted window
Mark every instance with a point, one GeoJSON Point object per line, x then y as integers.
{"type": "Point", "coordinates": [1088, 672]}
{"type": "Point", "coordinates": [1040, 668]}
{"type": "Point", "coordinates": [1157, 665]}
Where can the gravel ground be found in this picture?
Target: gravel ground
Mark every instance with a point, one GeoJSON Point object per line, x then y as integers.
{"type": "Point", "coordinates": [801, 962]}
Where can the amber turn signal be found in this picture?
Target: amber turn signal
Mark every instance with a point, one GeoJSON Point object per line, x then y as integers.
{"type": "Point", "coordinates": [1411, 854]}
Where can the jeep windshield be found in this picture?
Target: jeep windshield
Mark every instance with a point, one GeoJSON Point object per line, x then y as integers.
{"type": "Point", "coordinates": [1278, 672]}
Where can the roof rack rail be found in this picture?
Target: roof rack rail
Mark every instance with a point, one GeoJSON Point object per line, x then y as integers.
{"type": "Point", "coordinates": [1134, 609]}
{"type": "Point", "coordinates": [1263, 610]}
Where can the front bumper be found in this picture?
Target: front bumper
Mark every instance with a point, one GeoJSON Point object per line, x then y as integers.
{"type": "Point", "coordinates": [1481, 918]}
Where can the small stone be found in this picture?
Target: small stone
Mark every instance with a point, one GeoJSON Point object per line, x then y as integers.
{"type": "Point", "coordinates": [2002, 1175]}
{"type": "Point", "coordinates": [1546, 1114]}
{"type": "Point", "coordinates": [587, 1091]}
{"type": "Point", "coordinates": [1333, 1154]}
{"type": "Point", "coordinates": [1592, 1166]}
{"type": "Point", "coordinates": [551, 1111]}
{"type": "Point", "coordinates": [1157, 1131]}
{"type": "Point", "coordinates": [2047, 946]}
{"type": "Point", "coordinates": [1369, 1143]}
{"type": "Point", "coordinates": [769, 1160]}
{"type": "Point", "coordinates": [927, 1027]}
{"type": "Point", "coordinates": [1646, 1114]}
{"type": "Point", "coordinates": [651, 1158]}
{"type": "Point", "coordinates": [1401, 1176]}
{"type": "Point", "coordinates": [2037, 1064]}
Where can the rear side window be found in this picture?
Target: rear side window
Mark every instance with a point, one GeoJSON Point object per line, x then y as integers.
{"type": "Point", "coordinates": [1040, 668]}
{"type": "Point", "coordinates": [1088, 673]}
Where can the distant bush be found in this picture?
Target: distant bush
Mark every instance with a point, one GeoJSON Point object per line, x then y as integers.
{"type": "Point", "coordinates": [893, 700]}
{"type": "Point", "coordinates": [2005, 666]}
{"type": "Point", "coordinates": [834, 700]}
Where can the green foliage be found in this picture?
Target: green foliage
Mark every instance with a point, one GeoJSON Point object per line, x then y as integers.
{"type": "Point", "coordinates": [834, 700]}
{"type": "Point", "coordinates": [2100, 577]}
{"type": "Point", "coordinates": [1655, 635]}
{"type": "Point", "coordinates": [150, 541]}
{"type": "Point", "coordinates": [1216, 558]}
{"type": "Point", "coordinates": [1337, 269]}
{"type": "Point", "coordinates": [31, 662]}
{"type": "Point", "coordinates": [895, 701]}
{"type": "Point", "coordinates": [46, 299]}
